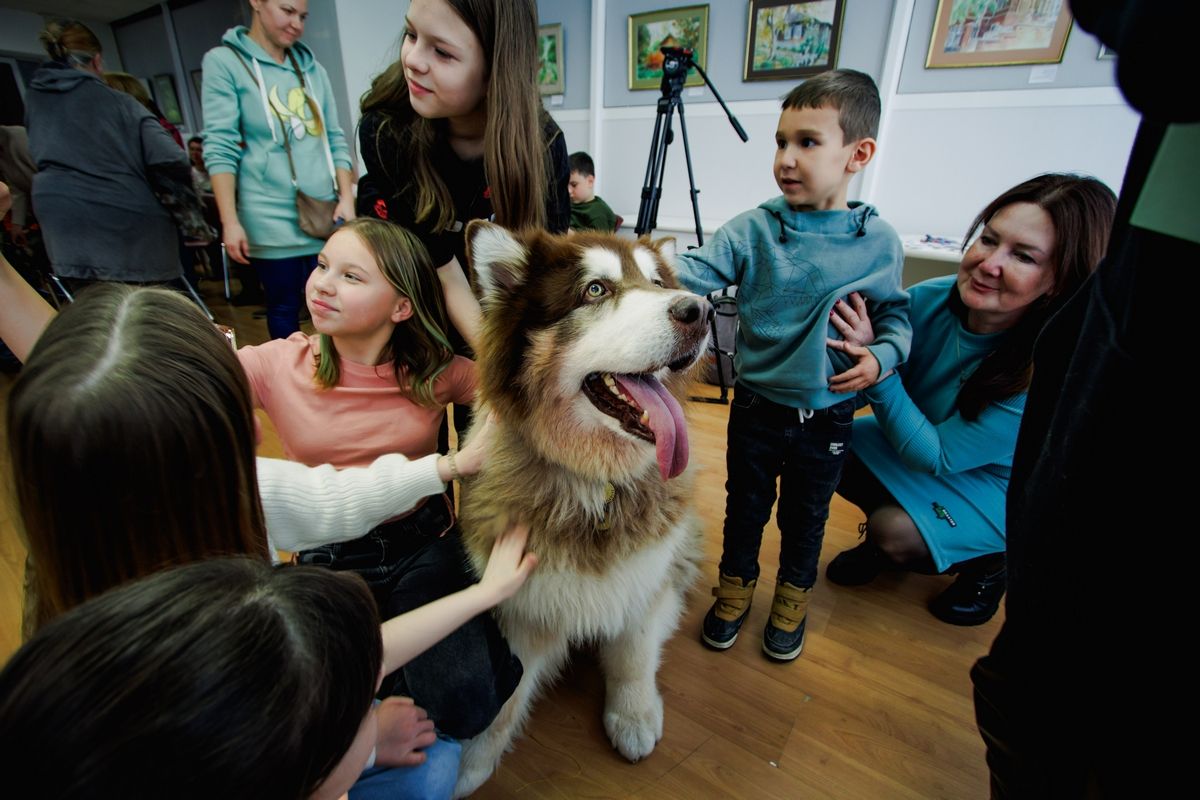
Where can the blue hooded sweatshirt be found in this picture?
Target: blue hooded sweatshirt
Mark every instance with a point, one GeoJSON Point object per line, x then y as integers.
{"type": "Point", "coordinates": [790, 267]}
{"type": "Point", "coordinates": [243, 107]}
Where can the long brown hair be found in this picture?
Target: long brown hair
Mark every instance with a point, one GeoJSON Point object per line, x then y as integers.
{"type": "Point", "coordinates": [210, 670]}
{"type": "Point", "coordinates": [131, 433]}
{"type": "Point", "coordinates": [1081, 209]}
{"type": "Point", "coordinates": [515, 155]}
{"type": "Point", "coordinates": [419, 348]}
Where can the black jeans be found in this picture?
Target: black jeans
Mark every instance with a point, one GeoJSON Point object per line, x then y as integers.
{"type": "Point", "coordinates": [463, 680]}
{"type": "Point", "coordinates": [769, 441]}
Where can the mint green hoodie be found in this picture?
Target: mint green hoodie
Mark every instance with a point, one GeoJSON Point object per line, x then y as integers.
{"type": "Point", "coordinates": [235, 111]}
{"type": "Point", "coordinates": [790, 267]}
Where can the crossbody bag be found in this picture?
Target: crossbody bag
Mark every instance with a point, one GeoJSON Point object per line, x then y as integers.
{"type": "Point", "coordinates": [315, 216]}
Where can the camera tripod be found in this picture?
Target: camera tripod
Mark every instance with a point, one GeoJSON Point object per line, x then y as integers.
{"type": "Point", "coordinates": [676, 63]}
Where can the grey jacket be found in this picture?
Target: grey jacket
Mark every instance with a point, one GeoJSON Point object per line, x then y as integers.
{"type": "Point", "coordinates": [97, 151]}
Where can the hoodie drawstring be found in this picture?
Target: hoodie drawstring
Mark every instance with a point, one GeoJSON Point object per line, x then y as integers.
{"type": "Point", "coordinates": [782, 233]}
{"type": "Point", "coordinates": [862, 224]}
{"type": "Point", "coordinates": [262, 92]}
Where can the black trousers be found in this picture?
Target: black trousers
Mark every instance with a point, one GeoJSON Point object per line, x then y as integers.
{"type": "Point", "coordinates": [463, 680]}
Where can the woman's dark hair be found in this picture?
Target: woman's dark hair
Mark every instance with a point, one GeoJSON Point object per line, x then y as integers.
{"type": "Point", "coordinates": [223, 679]}
{"type": "Point", "coordinates": [1081, 209]}
{"type": "Point", "coordinates": [131, 433]}
{"type": "Point", "coordinates": [516, 159]}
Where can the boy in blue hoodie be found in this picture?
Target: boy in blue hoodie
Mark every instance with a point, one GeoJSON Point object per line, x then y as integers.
{"type": "Point", "coordinates": [792, 259]}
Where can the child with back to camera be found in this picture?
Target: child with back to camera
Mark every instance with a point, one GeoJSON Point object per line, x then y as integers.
{"type": "Point", "coordinates": [221, 678]}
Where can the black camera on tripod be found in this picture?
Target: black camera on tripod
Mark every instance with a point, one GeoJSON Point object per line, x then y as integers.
{"type": "Point", "coordinates": [677, 61]}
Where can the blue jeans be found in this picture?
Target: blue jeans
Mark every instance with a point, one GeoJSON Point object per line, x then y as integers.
{"type": "Point", "coordinates": [283, 281]}
{"type": "Point", "coordinates": [769, 441]}
{"type": "Point", "coordinates": [433, 780]}
{"type": "Point", "coordinates": [463, 680]}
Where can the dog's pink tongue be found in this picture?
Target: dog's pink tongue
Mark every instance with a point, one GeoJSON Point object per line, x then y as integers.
{"type": "Point", "coordinates": [666, 420]}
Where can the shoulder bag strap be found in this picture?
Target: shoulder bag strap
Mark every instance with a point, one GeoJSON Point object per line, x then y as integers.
{"type": "Point", "coordinates": [316, 109]}
{"type": "Point", "coordinates": [283, 128]}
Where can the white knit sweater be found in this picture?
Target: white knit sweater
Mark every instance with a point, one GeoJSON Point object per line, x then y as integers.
{"type": "Point", "coordinates": [310, 506]}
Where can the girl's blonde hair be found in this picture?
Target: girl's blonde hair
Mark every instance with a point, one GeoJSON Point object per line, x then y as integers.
{"type": "Point", "coordinates": [70, 42]}
{"type": "Point", "coordinates": [515, 158]}
{"type": "Point", "coordinates": [419, 348]}
{"type": "Point", "coordinates": [124, 82]}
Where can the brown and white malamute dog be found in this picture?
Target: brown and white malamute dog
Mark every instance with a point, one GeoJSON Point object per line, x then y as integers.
{"type": "Point", "coordinates": [587, 346]}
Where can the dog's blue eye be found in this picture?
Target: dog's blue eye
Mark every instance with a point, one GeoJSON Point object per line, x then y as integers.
{"type": "Point", "coordinates": [595, 289]}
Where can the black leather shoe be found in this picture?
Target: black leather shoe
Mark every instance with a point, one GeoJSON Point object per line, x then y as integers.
{"type": "Point", "coordinates": [975, 595]}
{"type": "Point", "coordinates": [856, 566]}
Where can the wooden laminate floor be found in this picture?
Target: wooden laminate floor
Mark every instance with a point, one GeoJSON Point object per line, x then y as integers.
{"type": "Point", "coordinates": [878, 705]}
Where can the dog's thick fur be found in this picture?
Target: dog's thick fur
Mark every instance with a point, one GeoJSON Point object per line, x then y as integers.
{"type": "Point", "coordinates": [616, 539]}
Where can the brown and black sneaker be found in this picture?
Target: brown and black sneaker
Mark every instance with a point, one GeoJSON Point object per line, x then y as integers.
{"type": "Point", "coordinates": [783, 638]}
{"type": "Point", "coordinates": [724, 619]}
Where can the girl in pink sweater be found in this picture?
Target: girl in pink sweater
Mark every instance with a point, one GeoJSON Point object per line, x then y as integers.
{"type": "Point", "coordinates": [375, 379]}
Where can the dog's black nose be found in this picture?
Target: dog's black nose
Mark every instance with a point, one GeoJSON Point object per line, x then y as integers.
{"type": "Point", "coordinates": [689, 310]}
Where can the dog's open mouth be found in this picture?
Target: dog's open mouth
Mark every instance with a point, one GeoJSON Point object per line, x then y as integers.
{"type": "Point", "coordinates": [644, 408]}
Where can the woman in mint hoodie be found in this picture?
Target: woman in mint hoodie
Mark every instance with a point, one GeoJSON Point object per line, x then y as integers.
{"type": "Point", "coordinates": [260, 86]}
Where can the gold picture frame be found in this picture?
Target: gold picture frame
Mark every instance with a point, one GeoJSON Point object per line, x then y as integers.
{"type": "Point", "coordinates": [789, 39]}
{"type": "Point", "coordinates": [551, 77]}
{"type": "Point", "coordinates": [686, 26]}
{"type": "Point", "coordinates": [997, 33]}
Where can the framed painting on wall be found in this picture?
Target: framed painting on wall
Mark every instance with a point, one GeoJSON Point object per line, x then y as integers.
{"type": "Point", "coordinates": [672, 27]}
{"type": "Point", "coordinates": [167, 100]}
{"type": "Point", "coordinates": [550, 59]}
{"type": "Point", "coordinates": [791, 40]}
{"type": "Point", "coordinates": [992, 33]}
{"type": "Point", "coordinates": [198, 83]}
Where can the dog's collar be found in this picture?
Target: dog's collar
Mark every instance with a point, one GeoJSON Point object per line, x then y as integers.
{"type": "Point", "coordinates": [610, 493]}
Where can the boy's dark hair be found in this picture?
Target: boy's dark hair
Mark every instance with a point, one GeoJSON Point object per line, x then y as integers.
{"type": "Point", "coordinates": [199, 139]}
{"type": "Point", "coordinates": [851, 92]}
{"type": "Point", "coordinates": [582, 163]}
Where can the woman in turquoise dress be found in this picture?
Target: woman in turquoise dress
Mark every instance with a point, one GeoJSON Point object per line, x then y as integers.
{"type": "Point", "coordinates": [930, 468]}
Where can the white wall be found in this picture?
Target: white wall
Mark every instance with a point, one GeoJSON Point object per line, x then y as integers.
{"type": "Point", "coordinates": [19, 36]}
{"type": "Point", "coordinates": [948, 155]}
{"type": "Point", "coordinates": [370, 38]}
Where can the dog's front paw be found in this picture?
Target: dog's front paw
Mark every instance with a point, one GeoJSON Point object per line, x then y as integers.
{"type": "Point", "coordinates": [634, 721]}
{"type": "Point", "coordinates": [470, 778]}
{"type": "Point", "coordinates": [477, 765]}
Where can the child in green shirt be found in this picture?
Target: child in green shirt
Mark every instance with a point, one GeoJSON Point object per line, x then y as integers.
{"type": "Point", "coordinates": [588, 212]}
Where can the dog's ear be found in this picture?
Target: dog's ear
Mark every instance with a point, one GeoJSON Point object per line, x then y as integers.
{"type": "Point", "coordinates": [666, 247]}
{"type": "Point", "coordinates": [498, 260]}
